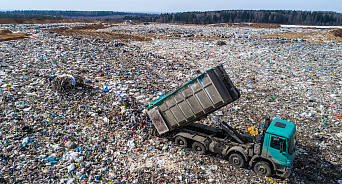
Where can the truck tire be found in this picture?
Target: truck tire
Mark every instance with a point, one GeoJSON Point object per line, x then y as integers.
{"type": "Point", "coordinates": [199, 148]}
{"type": "Point", "coordinates": [236, 160]}
{"type": "Point", "coordinates": [263, 168]}
{"type": "Point", "coordinates": [181, 141]}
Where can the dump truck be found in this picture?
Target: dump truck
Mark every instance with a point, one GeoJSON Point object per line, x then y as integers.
{"type": "Point", "coordinates": [177, 114]}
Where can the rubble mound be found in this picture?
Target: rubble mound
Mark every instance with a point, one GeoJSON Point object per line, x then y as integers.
{"type": "Point", "coordinates": [220, 43]}
{"type": "Point", "coordinates": [67, 82]}
{"type": "Point", "coordinates": [337, 32]}
{"type": "Point", "coordinates": [5, 31]}
{"type": "Point", "coordinates": [6, 35]}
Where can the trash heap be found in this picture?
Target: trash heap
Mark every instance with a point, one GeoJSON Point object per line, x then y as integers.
{"type": "Point", "coordinates": [67, 82]}
{"type": "Point", "coordinates": [72, 109]}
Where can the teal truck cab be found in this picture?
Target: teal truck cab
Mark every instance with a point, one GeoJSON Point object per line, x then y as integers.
{"type": "Point", "coordinates": [270, 152]}
{"type": "Point", "coordinates": [278, 149]}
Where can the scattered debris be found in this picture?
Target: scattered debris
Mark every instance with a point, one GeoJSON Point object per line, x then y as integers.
{"type": "Point", "coordinates": [104, 134]}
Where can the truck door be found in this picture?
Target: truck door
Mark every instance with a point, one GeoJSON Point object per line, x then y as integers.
{"type": "Point", "coordinates": [277, 149]}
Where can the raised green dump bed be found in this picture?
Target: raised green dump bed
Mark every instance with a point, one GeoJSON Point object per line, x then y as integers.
{"type": "Point", "coordinates": [204, 94]}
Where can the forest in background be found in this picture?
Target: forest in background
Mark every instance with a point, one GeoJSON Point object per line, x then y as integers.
{"type": "Point", "coordinates": [319, 18]}
{"type": "Point", "coordinates": [251, 16]}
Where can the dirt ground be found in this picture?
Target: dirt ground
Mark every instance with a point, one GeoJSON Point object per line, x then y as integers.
{"type": "Point", "coordinates": [337, 32]}
{"type": "Point", "coordinates": [334, 35]}
{"type": "Point", "coordinates": [6, 35]}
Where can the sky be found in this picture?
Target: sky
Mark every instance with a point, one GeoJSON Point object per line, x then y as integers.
{"type": "Point", "coordinates": [171, 5]}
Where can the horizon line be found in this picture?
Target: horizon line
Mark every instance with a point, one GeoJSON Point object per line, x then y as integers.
{"type": "Point", "coordinates": [151, 12]}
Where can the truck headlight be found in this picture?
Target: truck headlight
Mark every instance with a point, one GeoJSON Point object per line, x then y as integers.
{"type": "Point", "coordinates": [288, 162]}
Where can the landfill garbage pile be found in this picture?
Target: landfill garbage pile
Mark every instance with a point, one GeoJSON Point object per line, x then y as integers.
{"type": "Point", "coordinates": [220, 43]}
{"type": "Point", "coordinates": [92, 31]}
{"type": "Point", "coordinates": [103, 135]}
{"type": "Point", "coordinates": [67, 82]}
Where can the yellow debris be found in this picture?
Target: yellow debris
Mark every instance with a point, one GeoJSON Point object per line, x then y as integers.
{"type": "Point", "coordinates": [252, 130]}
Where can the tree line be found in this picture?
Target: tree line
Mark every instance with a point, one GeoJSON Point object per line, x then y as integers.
{"type": "Point", "coordinates": [61, 13]}
{"type": "Point", "coordinates": [253, 16]}
{"type": "Point", "coordinates": [18, 16]}
{"type": "Point", "coordinates": [320, 18]}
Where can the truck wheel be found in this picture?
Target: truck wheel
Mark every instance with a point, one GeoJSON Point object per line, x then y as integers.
{"type": "Point", "coordinates": [181, 141]}
{"type": "Point", "coordinates": [263, 168]}
{"type": "Point", "coordinates": [199, 148]}
{"type": "Point", "coordinates": [236, 160]}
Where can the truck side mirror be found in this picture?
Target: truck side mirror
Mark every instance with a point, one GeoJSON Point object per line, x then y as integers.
{"type": "Point", "coordinates": [282, 149]}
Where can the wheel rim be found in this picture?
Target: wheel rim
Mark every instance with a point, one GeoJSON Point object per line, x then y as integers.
{"type": "Point", "coordinates": [198, 148]}
{"type": "Point", "coordinates": [262, 169]}
{"type": "Point", "coordinates": [236, 160]}
{"type": "Point", "coordinates": [180, 142]}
